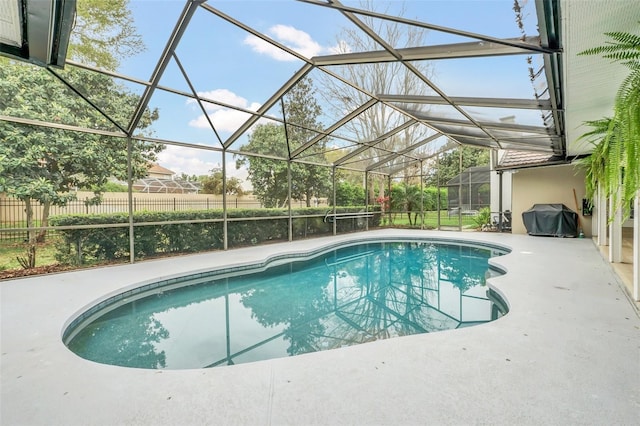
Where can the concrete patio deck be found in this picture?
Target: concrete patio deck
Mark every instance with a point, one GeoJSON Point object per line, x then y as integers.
{"type": "Point", "coordinates": [568, 352]}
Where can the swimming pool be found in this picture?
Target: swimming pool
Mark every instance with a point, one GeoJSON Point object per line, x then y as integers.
{"type": "Point", "coordinates": [338, 297]}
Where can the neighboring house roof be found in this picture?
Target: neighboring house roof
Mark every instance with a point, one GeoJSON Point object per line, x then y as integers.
{"type": "Point", "coordinates": [525, 159]}
{"type": "Point", "coordinates": [157, 169]}
{"type": "Point", "coordinates": [160, 185]}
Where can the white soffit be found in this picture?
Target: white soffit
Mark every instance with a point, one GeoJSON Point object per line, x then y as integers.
{"type": "Point", "coordinates": [591, 82]}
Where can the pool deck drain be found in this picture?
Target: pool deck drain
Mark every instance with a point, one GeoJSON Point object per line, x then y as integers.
{"type": "Point", "coordinates": [568, 352]}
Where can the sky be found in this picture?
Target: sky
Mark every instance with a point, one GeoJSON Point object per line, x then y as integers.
{"type": "Point", "coordinates": [230, 65]}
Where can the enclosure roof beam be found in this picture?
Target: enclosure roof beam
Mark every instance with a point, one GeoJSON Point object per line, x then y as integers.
{"type": "Point", "coordinates": [188, 11]}
{"type": "Point", "coordinates": [540, 104]}
{"type": "Point", "coordinates": [253, 32]}
{"type": "Point", "coordinates": [346, 9]}
{"type": "Point", "coordinates": [410, 66]}
{"type": "Point", "coordinates": [60, 126]}
{"type": "Point", "coordinates": [403, 152]}
{"type": "Point", "coordinates": [444, 51]}
{"type": "Point", "coordinates": [500, 126]}
{"type": "Point", "coordinates": [299, 75]}
{"type": "Point", "coordinates": [376, 141]}
{"type": "Point", "coordinates": [353, 114]}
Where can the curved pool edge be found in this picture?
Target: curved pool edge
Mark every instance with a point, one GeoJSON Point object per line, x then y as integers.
{"type": "Point", "coordinates": [472, 376]}
{"type": "Point", "coordinates": [141, 289]}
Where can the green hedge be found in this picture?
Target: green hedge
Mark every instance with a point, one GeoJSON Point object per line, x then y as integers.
{"type": "Point", "coordinates": [78, 246]}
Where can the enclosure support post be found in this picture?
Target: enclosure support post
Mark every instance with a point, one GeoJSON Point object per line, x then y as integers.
{"type": "Point", "coordinates": [636, 247]}
{"type": "Point", "coordinates": [470, 199]}
{"type": "Point", "coordinates": [421, 198]}
{"type": "Point", "coordinates": [132, 248]}
{"type": "Point", "coordinates": [225, 235]}
{"type": "Point", "coordinates": [438, 189]}
{"type": "Point", "coordinates": [366, 200]}
{"type": "Point", "coordinates": [333, 180]}
{"type": "Point", "coordinates": [601, 212]}
{"type": "Point", "coordinates": [500, 172]}
{"type": "Point", "coordinates": [460, 188]}
{"type": "Point", "coordinates": [289, 198]}
{"type": "Point", "coordinates": [615, 232]}
{"type": "Point", "coordinates": [389, 195]}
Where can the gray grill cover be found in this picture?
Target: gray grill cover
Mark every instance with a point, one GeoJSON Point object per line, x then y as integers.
{"type": "Point", "coordinates": [555, 220]}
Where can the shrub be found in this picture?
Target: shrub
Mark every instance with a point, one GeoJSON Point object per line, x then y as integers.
{"type": "Point", "coordinates": [197, 230]}
{"type": "Point", "coordinates": [483, 217]}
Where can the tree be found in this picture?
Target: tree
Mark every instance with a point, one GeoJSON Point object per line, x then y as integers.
{"type": "Point", "coordinates": [348, 194]}
{"type": "Point", "coordinates": [409, 198]}
{"type": "Point", "coordinates": [269, 177]}
{"type": "Point", "coordinates": [379, 78]}
{"type": "Point", "coordinates": [301, 113]}
{"type": "Point", "coordinates": [449, 164]}
{"type": "Point", "coordinates": [188, 178]}
{"type": "Point", "coordinates": [47, 165]}
{"type": "Point", "coordinates": [212, 184]}
{"type": "Point", "coordinates": [103, 33]}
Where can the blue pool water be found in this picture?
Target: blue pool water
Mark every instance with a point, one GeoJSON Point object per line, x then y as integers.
{"type": "Point", "coordinates": [345, 296]}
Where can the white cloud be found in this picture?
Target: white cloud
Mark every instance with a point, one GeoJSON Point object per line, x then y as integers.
{"type": "Point", "coordinates": [180, 160]}
{"type": "Point", "coordinates": [221, 95]}
{"type": "Point", "coordinates": [224, 119]}
{"type": "Point", "coordinates": [291, 37]}
{"type": "Point", "coordinates": [194, 162]}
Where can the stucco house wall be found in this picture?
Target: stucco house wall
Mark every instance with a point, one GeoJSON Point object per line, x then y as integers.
{"type": "Point", "coordinates": [545, 185]}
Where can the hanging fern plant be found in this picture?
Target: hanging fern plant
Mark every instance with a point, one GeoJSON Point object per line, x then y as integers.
{"type": "Point", "coordinates": [615, 160]}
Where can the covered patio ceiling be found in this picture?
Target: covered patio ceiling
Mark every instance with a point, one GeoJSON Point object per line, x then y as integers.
{"type": "Point", "coordinates": [389, 99]}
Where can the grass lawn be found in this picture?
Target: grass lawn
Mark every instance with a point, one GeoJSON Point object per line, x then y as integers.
{"type": "Point", "coordinates": [9, 252]}
{"type": "Point", "coordinates": [431, 220]}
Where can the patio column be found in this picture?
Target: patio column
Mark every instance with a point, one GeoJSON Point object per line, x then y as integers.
{"type": "Point", "coordinates": [615, 233]}
{"type": "Point", "coordinates": [600, 211]}
{"type": "Point", "coordinates": [636, 248]}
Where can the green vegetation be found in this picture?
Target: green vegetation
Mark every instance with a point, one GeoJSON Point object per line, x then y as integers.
{"type": "Point", "coordinates": [198, 230]}
{"type": "Point", "coordinates": [449, 166]}
{"type": "Point", "coordinates": [431, 220]}
{"type": "Point", "coordinates": [270, 177]}
{"type": "Point", "coordinates": [348, 194]}
{"type": "Point", "coordinates": [614, 164]}
{"type": "Point", "coordinates": [45, 164]}
{"type": "Point", "coordinates": [483, 218]}
{"type": "Point", "coordinates": [10, 252]}
{"type": "Point", "coordinates": [212, 184]}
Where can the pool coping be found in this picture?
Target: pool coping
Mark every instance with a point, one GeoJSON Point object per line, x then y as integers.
{"type": "Point", "coordinates": [548, 361]}
{"type": "Point", "coordinates": [149, 287]}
